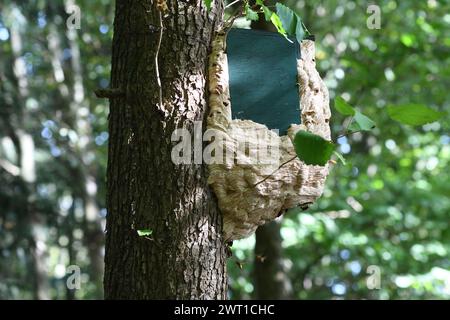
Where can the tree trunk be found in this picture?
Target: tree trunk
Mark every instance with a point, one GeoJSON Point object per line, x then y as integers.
{"type": "Point", "coordinates": [271, 280]}
{"type": "Point", "coordinates": [184, 257]}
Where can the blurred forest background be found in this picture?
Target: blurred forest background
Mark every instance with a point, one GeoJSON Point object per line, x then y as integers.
{"type": "Point", "coordinates": [385, 213]}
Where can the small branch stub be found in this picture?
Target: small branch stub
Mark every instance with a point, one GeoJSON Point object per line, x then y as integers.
{"type": "Point", "coordinates": [109, 93]}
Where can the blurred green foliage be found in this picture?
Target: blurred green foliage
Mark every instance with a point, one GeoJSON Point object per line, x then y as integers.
{"type": "Point", "coordinates": [388, 207]}
{"type": "Point", "coordinates": [47, 77]}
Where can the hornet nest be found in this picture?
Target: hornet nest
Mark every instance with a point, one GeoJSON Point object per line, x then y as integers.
{"type": "Point", "coordinates": [253, 190]}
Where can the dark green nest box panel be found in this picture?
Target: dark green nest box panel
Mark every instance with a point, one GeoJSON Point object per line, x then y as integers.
{"type": "Point", "coordinates": [263, 78]}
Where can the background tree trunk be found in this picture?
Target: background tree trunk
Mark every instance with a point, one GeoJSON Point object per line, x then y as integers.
{"type": "Point", "coordinates": [271, 280]}
{"type": "Point", "coordinates": [27, 165]}
{"type": "Point", "coordinates": [185, 256]}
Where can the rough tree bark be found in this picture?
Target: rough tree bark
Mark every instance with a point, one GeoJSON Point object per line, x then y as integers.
{"type": "Point", "coordinates": [185, 256]}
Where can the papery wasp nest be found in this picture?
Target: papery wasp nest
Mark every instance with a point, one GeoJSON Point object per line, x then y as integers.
{"type": "Point", "coordinates": [243, 170]}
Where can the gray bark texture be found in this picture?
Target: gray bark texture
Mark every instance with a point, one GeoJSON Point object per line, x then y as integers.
{"type": "Point", "coordinates": [184, 258]}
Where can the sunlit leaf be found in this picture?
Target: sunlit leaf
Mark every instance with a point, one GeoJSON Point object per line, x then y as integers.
{"type": "Point", "coordinates": [144, 232]}
{"type": "Point", "coordinates": [275, 19]}
{"type": "Point", "coordinates": [408, 39]}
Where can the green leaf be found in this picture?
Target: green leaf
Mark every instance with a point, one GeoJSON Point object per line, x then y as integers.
{"type": "Point", "coordinates": [288, 18]}
{"type": "Point", "coordinates": [340, 157]}
{"type": "Point", "coordinates": [312, 149]}
{"type": "Point", "coordinates": [408, 39]}
{"type": "Point", "coordinates": [299, 31]}
{"type": "Point", "coordinates": [267, 13]}
{"type": "Point", "coordinates": [144, 232]}
{"type": "Point", "coordinates": [414, 114]}
{"type": "Point", "coordinates": [343, 107]}
{"type": "Point", "coordinates": [208, 3]}
{"type": "Point", "coordinates": [275, 19]}
{"type": "Point", "coordinates": [251, 14]}
{"type": "Point", "coordinates": [291, 22]}
{"type": "Point", "coordinates": [361, 123]}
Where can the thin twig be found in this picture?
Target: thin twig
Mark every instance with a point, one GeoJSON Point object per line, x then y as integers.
{"type": "Point", "coordinates": [232, 3]}
{"type": "Point", "coordinates": [284, 163]}
{"type": "Point", "coordinates": [344, 130]}
{"type": "Point", "coordinates": [347, 134]}
{"type": "Point", "coordinates": [359, 93]}
{"type": "Point", "coordinates": [238, 13]}
{"type": "Point", "coordinates": [158, 79]}
{"type": "Point", "coordinates": [306, 29]}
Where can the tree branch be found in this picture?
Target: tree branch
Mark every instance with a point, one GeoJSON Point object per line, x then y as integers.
{"type": "Point", "coordinates": [109, 93]}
